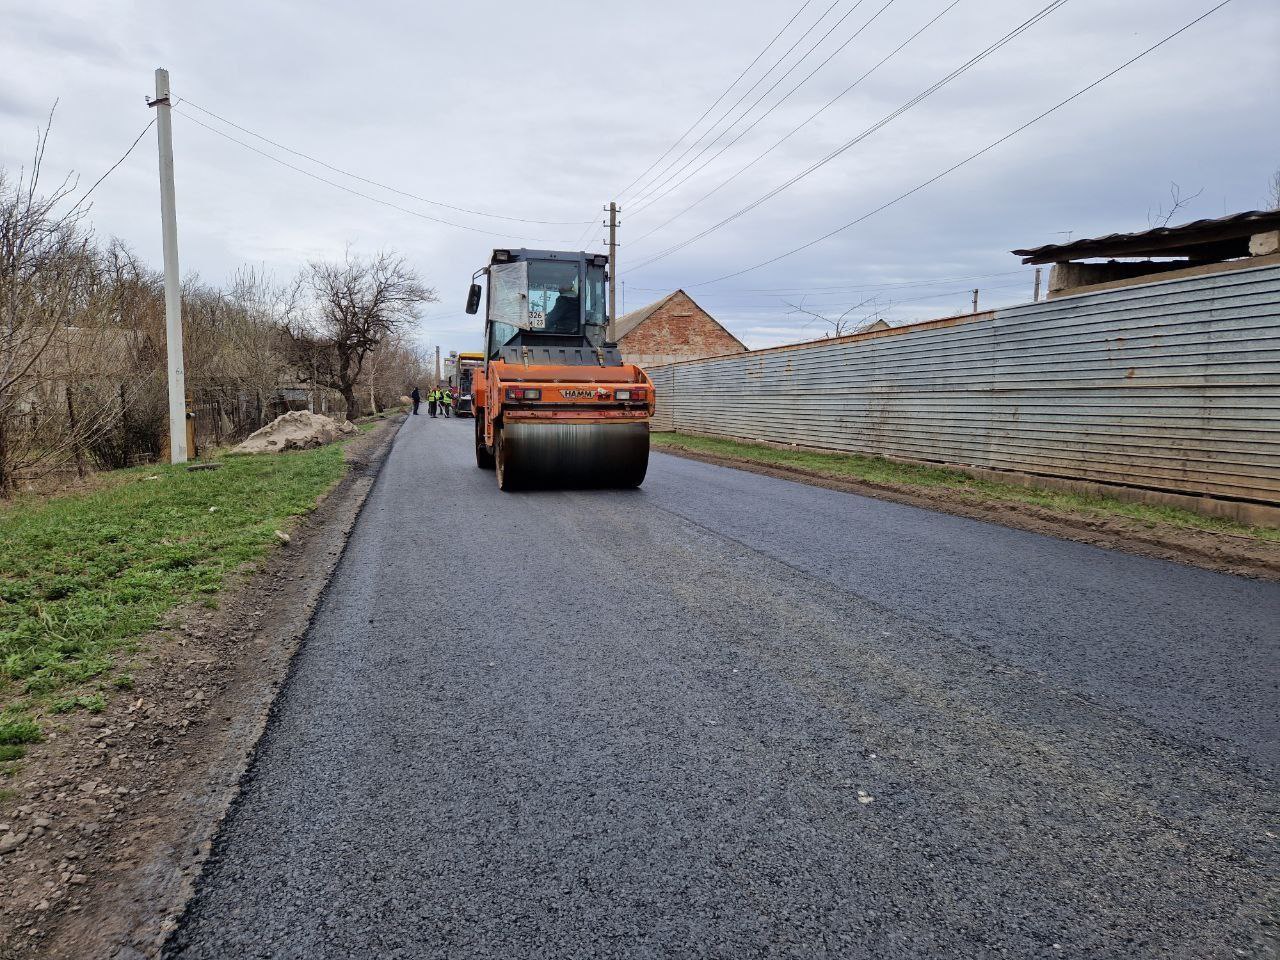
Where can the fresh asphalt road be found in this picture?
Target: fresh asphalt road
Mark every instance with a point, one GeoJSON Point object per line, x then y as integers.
{"type": "Point", "coordinates": [732, 716]}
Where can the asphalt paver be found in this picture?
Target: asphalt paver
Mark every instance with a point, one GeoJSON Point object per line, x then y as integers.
{"type": "Point", "coordinates": [727, 715]}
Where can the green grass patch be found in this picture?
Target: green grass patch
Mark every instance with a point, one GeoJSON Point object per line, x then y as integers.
{"type": "Point", "coordinates": [82, 575]}
{"type": "Point", "coordinates": [854, 466]}
{"type": "Point", "coordinates": [16, 731]}
{"type": "Point", "coordinates": [93, 702]}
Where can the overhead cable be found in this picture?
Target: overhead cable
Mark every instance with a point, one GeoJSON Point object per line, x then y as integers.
{"type": "Point", "coordinates": [794, 130]}
{"type": "Point", "coordinates": [885, 121]}
{"type": "Point", "coordinates": [973, 156]}
{"type": "Point", "coordinates": [735, 82]}
{"type": "Point", "coordinates": [111, 169]}
{"type": "Point", "coordinates": [375, 183]}
{"type": "Point", "coordinates": [357, 193]}
{"type": "Point", "coordinates": [657, 191]}
{"type": "Point", "coordinates": [734, 106]}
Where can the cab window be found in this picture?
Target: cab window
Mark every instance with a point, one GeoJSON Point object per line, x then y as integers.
{"type": "Point", "coordinates": [555, 299]}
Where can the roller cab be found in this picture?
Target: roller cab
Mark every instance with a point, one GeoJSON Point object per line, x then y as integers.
{"type": "Point", "coordinates": [555, 405]}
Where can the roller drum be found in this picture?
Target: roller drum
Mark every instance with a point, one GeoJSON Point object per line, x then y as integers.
{"type": "Point", "coordinates": [532, 455]}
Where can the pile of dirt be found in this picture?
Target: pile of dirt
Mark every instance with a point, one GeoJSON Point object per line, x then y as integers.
{"type": "Point", "coordinates": [296, 430]}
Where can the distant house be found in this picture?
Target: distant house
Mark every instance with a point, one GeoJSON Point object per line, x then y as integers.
{"type": "Point", "coordinates": [673, 328]}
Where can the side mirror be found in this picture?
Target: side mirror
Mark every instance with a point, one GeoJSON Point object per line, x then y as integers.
{"type": "Point", "coordinates": [473, 298]}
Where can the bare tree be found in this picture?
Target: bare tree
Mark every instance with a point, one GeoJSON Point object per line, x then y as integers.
{"type": "Point", "coordinates": [353, 306]}
{"type": "Point", "coordinates": [393, 368]}
{"type": "Point", "coordinates": [1160, 217]}
{"type": "Point", "coordinates": [1273, 198]}
{"type": "Point", "coordinates": [842, 324]}
{"type": "Point", "coordinates": [46, 272]}
{"type": "Point", "coordinates": [253, 342]}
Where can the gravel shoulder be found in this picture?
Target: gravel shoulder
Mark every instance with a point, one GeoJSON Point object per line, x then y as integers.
{"type": "Point", "coordinates": [118, 810]}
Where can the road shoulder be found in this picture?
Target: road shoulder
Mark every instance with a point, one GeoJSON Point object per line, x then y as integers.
{"type": "Point", "coordinates": [120, 808]}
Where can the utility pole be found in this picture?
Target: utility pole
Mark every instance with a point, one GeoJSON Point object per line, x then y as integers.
{"type": "Point", "coordinates": [172, 287]}
{"type": "Point", "coordinates": [1036, 296]}
{"type": "Point", "coordinates": [613, 262]}
{"type": "Point", "coordinates": [437, 364]}
{"type": "Point", "coordinates": [975, 299]}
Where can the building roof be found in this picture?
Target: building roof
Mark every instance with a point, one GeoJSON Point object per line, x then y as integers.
{"type": "Point", "coordinates": [1218, 239]}
{"type": "Point", "coordinates": [629, 321]}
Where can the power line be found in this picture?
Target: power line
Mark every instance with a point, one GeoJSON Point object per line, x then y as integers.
{"type": "Point", "coordinates": [794, 130]}
{"type": "Point", "coordinates": [112, 168]}
{"type": "Point", "coordinates": [654, 195]}
{"type": "Point", "coordinates": [374, 183]}
{"type": "Point", "coordinates": [797, 290]}
{"type": "Point", "coordinates": [973, 156]}
{"type": "Point", "coordinates": [759, 80]}
{"type": "Point", "coordinates": [914, 101]}
{"type": "Point", "coordinates": [836, 301]}
{"type": "Point", "coordinates": [357, 193]}
{"type": "Point", "coordinates": [736, 81]}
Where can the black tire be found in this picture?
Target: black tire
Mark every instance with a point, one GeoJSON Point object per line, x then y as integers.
{"type": "Point", "coordinates": [484, 456]}
{"type": "Point", "coordinates": [502, 464]}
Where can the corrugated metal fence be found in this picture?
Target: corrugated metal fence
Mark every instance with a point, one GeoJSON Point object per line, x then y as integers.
{"type": "Point", "coordinates": [1172, 386]}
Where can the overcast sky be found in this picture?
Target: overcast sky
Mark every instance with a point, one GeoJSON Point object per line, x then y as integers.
{"type": "Point", "coordinates": [546, 111]}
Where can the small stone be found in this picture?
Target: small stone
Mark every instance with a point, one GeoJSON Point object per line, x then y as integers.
{"type": "Point", "coordinates": [78, 879]}
{"type": "Point", "coordinates": [89, 786]}
{"type": "Point", "coordinates": [42, 822]}
{"type": "Point", "coordinates": [12, 841]}
{"type": "Point", "coordinates": [283, 537]}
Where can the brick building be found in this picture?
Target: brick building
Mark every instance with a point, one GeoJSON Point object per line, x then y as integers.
{"type": "Point", "coordinates": [673, 328]}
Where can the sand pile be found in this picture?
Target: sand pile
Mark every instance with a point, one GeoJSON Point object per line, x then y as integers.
{"type": "Point", "coordinates": [296, 430]}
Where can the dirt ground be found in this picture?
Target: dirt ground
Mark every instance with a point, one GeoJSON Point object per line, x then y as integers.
{"type": "Point", "coordinates": [1225, 552]}
{"type": "Point", "coordinates": [116, 812]}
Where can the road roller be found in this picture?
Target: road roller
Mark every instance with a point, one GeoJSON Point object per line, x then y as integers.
{"type": "Point", "coordinates": [555, 405]}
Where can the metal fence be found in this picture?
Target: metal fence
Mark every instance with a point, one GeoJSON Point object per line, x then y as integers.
{"type": "Point", "coordinates": [1172, 386]}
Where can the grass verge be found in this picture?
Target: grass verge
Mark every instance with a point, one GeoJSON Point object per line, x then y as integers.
{"type": "Point", "coordinates": [852, 466]}
{"type": "Point", "coordinates": [83, 575]}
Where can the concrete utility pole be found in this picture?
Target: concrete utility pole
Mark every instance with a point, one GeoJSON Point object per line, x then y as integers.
{"type": "Point", "coordinates": [1036, 296]}
{"type": "Point", "coordinates": [172, 283]}
{"type": "Point", "coordinates": [975, 300]}
{"type": "Point", "coordinates": [437, 365]}
{"type": "Point", "coordinates": [613, 262]}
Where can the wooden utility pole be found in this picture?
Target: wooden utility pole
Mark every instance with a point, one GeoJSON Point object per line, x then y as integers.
{"type": "Point", "coordinates": [172, 279]}
{"type": "Point", "coordinates": [613, 262]}
{"type": "Point", "coordinates": [1036, 296]}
